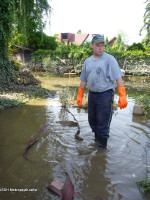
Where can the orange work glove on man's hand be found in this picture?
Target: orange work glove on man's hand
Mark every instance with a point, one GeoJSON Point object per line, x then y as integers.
{"type": "Point", "coordinates": [122, 102]}
{"type": "Point", "coordinates": [80, 97]}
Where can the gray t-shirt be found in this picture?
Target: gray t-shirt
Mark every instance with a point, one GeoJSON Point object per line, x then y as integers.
{"type": "Point", "coordinates": [101, 73]}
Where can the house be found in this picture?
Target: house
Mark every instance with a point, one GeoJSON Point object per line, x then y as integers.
{"type": "Point", "coordinates": [79, 39]}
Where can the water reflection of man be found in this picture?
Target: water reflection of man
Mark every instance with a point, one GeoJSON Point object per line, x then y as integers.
{"type": "Point", "coordinates": [100, 71]}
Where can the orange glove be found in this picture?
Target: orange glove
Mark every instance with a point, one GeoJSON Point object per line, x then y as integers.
{"type": "Point", "coordinates": [80, 97]}
{"type": "Point", "coordinates": [122, 102]}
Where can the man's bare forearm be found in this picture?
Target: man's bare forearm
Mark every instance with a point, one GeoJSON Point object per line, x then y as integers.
{"type": "Point", "coordinates": [120, 82]}
{"type": "Point", "coordinates": [83, 84]}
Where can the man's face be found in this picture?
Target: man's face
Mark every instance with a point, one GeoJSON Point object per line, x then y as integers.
{"type": "Point", "coordinates": [98, 48]}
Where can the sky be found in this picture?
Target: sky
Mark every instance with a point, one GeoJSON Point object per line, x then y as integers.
{"type": "Point", "coordinates": [107, 17]}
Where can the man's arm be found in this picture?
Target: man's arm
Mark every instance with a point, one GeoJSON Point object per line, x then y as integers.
{"type": "Point", "coordinates": [83, 84]}
{"type": "Point", "coordinates": [120, 82]}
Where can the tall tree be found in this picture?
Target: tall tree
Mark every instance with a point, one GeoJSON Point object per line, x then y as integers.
{"type": "Point", "coordinates": [28, 18]}
{"type": "Point", "coordinates": [24, 17]}
{"type": "Point", "coordinates": [146, 26]}
{"type": "Point", "coordinates": [79, 31]}
{"type": "Point", "coordinates": [119, 42]}
{"type": "Point", "coordinates": [5, 26]}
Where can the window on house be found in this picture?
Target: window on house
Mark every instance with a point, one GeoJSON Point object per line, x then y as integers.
{"type": "Point", "coordinates": [64, 36]}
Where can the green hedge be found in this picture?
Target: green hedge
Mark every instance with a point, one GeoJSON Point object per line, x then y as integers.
{"type": "Point", "coordinates": [74, 57]}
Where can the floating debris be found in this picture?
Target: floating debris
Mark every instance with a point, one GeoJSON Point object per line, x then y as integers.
{"type": "Point", "coordinates": [57, 187]}
{"type": "Point", "coordinates": [64, 190]}
{"type": "Point", "coordinates": [68, 190]}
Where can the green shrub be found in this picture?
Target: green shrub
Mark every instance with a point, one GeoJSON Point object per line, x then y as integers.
{"type": "Point", "coordinates": [9, 103]}
{"type": "Point", "coordinates": [16, 65]}
{"type": "Point", "coordinates": [76, 55]}
{"type": "Point", "coordinates": [136, 47]}
{"type": "Point", "coordinates": [36, 40]}
{"type": "Point", "coordinates": [54, 66]}
{"type": "Point", "coordinates": [36, 63]}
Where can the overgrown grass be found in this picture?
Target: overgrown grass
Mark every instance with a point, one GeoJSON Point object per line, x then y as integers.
{"type": "Point", "coordinates": [21, 95]}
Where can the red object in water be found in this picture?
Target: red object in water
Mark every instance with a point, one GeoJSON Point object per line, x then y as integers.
{"type": "Point", "coordinates": [64, 190]}
{"type": "Point", "coordinates": [68, 190]}
{"type": "Point", "coordinates": [33, 140]}
{"type": "Point", "coordinates": [57, 187]}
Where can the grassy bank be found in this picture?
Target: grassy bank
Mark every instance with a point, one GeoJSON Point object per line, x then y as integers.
{"type": "Point", "coordinates": [19, 87]}
{"type": "Point", "coordinates": [20, 95]}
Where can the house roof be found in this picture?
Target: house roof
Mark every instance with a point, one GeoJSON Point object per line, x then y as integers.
{"type": "Point", "coordinates": [80, 38]}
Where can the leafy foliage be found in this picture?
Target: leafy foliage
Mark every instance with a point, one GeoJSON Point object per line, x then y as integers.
{"type": "Point", "coordinates": [146, 26]}
{"type": "Point", "coordinates": [119, 44]}
{"type": "Point", "coordinates": [107, 46]}
{"type": "Point", "coordinates": [136, 47]}
{"type": "Point", "coordinates": [19, 19]}
{"type": "Point", "coordinates": [9, 103]}
{"type": "Point", "coordinates": [66, 57]}
{"type": "Point", "coordinates": [5, 26]}
{"type": "Point", "coordinates": [28, 18]}
{"type": "Point", "coordinates": [37, 40]}
{"type": "Point", "coordinates": [144, 185]}
{"type": "Point", "coordinates": [16, 64]}
{"type": "Point", "coordinates": [146, 41]}
{"type": "Point", "coordinates": [55, 67]}
{"type": "Point", "coordinates": [70, 58]}
{"type": "Point", "coordinates": [144, 100]}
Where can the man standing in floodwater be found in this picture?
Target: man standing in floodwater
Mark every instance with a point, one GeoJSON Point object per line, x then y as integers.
{"type": "Point", "coordinates": [100, 71]}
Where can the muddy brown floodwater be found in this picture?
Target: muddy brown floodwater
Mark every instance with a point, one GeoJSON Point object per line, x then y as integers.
{"type": "Point", "coordinates": [111, 174]}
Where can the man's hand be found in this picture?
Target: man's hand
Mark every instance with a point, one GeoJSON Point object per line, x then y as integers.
{"type": "Point", "coordinates": [80, 97]}
{"type": "Point", "coordinates": [122, 102]}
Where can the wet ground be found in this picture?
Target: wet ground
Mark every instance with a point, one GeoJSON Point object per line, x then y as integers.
{"type": "Point", "coordinates": [111, 174]}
